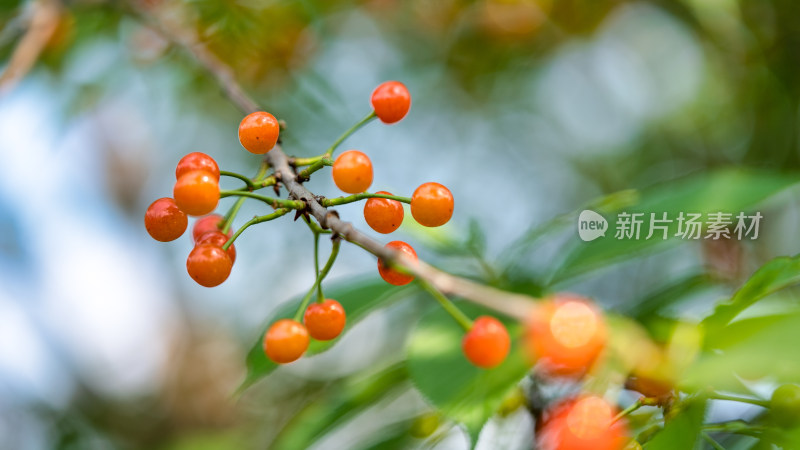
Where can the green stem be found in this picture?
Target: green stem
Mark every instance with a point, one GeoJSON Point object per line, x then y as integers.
{"type": "Point", "coordinates": [320, 297]}
{"type": "Point", "coordinates": [320, 276]}
{"type": "Point", "coordinates": [262, 170]}
{"type": "Point", "coordinates": [630, 409]}
{"type": "Point", "coordinates": [734, 398]}
{"type": "Point", "coordinates": [318, 162]}
{"type": "Point", "coordinates": [735, 426]}
{"type": "Point", "coordinates": [246, 180]}
{"type": "Point", "coordinates": [234, 210]}
{"type": "Point", "coordinates": [226, 226]}
{"type": "Point", "coordinates": [305, 174]}
{"type": "Point", "coordinates": [356, 197]}
{"type": "Point", "coordinates": [253, 221]}
{"type": "Point", "coordinates": [300, 162]}
{"type": "Point", "coordinates": [274, 202]}
{"type": "Point", "coordinates": [369, 117]}
{"type": "Point", "coordinates": [448, 306]}
{"type": "Point", "coordinates": [711, 441]}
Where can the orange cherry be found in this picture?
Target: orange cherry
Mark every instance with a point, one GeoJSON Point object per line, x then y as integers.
{"type": "Point", "coordinates": [286, 341]}
{"type": "Point", "coordinates": [196, 192]}
{"type": "Point", "coordinates": [487, 343]}
{"type": "Point", "coordinates": [352, 172]}
{"type": "Point", "coordinates": [432, 205]}
{"type": "Point", "coordinates": [258, 132]}
{"type": "Point", "coordinates": [392, 276]}
{"type": "Point", "coordinates": [565, 335]}
{"type": "Point", "coordinates": [382, 214]}
{"type": "Point", "coordinates": [325, 321]}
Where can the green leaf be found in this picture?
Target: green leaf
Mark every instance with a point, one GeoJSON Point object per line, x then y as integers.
{"type": "Point", "coordinates": [728, 190]}
{"type": "Point", "coordinates": [750, 349]}
{"type": "Point", "coordinates": [775, 275]}
{"type": "Point", "coordinates": [683, 430]}
{"type": "Point", "coordinates": [358, 297]}
{"type": "Point", "coordinates": [462, 392]}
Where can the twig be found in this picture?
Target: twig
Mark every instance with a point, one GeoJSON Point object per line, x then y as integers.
{"type": "Point", "coordinates": [511, 304]}
{"type": "Point", "coordinates": [43, 23]}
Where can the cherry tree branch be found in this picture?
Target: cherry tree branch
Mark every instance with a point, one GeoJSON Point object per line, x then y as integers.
{"type": "Point", "coordinates": [507, 303]}
{"type": "Point", "coordinates": [43, 23]}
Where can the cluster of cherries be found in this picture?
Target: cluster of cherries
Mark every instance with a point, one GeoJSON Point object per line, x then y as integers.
{"type": "Point", "coordinates": [564, 335]}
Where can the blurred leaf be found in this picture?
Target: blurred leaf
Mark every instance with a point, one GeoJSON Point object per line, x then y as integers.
{"type": "Point", "coordinates": [358, 297]}
{"type": "Point", "coordinates": [683, 430]}
{"type": "Point", "coordinates": [774, 275]}
{"type": "Point", "coordinates": [392, 438]}
{"type": "Point", "coordinates": [605, 205]}
{"type": "Point", "coordinates": [461, 391]}
{"type": "Point", "coordinates": [749, 349]}
{"type": "Point", "coordinates": [727, 190]}
{"type": "Point", "coordinates": [450, 243]}
{"type": "Point", "coordinates": [476, 239]}
{"type": "Point", "coordinates": [664, 296]}
{"type": "Point", "coordinates": [208, 440]}
{"type": "Point", "coordinates": [343, 403]}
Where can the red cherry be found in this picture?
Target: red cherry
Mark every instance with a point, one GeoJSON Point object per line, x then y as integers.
{"type": "Point", "coordinates": [208, 265]}
{"type": "Point", "coordinates": [391, 101]}
{"type": "Point", "coordinates": [164, 220]}
{"type": "Point", "coordinates": [392, 276]}
{"type": "Point", "coordinates": [203, 225]}
{"type": "Point", "coordinates": [217, 238]}
{"type": "Point", "coordinates": [585, 423]}
{"type": "Point", "coordinates": [197, 161]}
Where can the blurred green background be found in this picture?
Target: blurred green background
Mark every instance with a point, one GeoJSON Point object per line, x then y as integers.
{"type": "Point", "coordinates": [527, 109]}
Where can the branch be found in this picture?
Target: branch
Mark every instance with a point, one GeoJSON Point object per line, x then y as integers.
{"type": "Point", "coordinates": [43, 23]}
{"type": "Point", "coordinates": [168, 26]}
{"type": "Point", "coordinates": [513, 305]}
